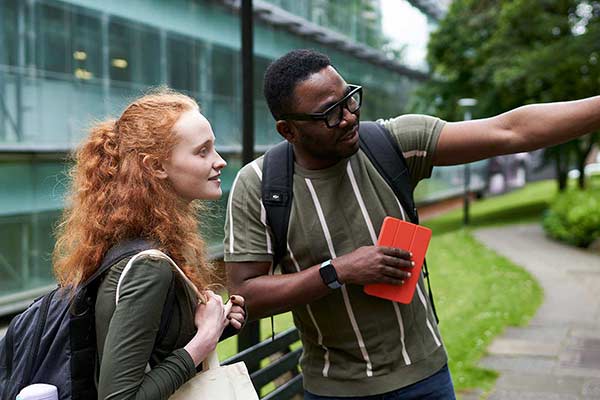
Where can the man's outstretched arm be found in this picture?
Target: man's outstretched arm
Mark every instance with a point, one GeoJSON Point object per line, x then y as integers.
{"type": "Point", "coordinates": [522, 129]}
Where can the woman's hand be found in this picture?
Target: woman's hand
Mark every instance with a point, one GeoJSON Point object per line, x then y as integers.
{"type": "Point", "coordinates": [210, 319]}
{"type": "Point", "coordinates": [237, 313]}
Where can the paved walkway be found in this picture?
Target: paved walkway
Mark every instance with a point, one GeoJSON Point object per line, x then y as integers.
{"type": "Point", "coordinates": [557, 356]}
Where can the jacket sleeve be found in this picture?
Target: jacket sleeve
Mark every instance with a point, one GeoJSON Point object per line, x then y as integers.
{"type": "Point", "coordinates": [130, 337]}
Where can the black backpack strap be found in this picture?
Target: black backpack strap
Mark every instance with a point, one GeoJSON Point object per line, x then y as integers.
{"type": "Point", "coordinates": [129, 248]}
{"type": "Point", "coordinates": [277, 182]}
{"type": "Point", "coordinates": [115, 254]}
{"type": "Point", "coordinates": [167, 312]}
{"type": "Point", "coordinates": [82, 324]}
{"type": "Point", "coordinates": [119, 252]}
{"type": "Point", "coordinates": [277, 195]}
{"type": "Point", "coordinates": [386, 156]}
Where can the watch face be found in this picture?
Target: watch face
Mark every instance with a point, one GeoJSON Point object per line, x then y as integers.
{"type": "Point", "coordinates": [329, 275]}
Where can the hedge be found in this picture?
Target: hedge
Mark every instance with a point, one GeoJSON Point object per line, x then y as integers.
{"type": "Point", "coordinates": [574, 217]}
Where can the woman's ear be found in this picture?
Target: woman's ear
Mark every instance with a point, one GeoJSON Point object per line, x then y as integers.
{"type": "Point", "coordinates": [155, 166]}
{"type": "Point", "coordinates": [286, 130]}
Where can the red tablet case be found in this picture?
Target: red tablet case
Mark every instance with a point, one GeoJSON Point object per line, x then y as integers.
{"type": "Point", "coordinates": [404, 235]}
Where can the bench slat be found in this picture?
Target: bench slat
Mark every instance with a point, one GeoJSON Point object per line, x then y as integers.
{"type": "Point", "coordinates": [256, 353]}
{"type": "Point", "coordinates": [287, 390]}
{"type": "Point", "coordinates": [287, 363]}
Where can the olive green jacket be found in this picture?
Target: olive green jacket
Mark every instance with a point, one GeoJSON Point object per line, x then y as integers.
{"type": "Point", "coordinates": [126, 334]}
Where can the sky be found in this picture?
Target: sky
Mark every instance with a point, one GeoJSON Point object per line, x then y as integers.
{"type": "Point", "coordinates": [404, 24]}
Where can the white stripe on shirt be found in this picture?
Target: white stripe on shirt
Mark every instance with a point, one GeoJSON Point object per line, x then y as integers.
{"type": "Point", "coordinates": [369, 223]}
{"type": "Point", "coordinates": [231, 238]}
{"type": "Point", "coordinates": [421, 297]}
{"type": "Point", "coordinates": [424, 302]}
{"type": "Point", "coordinates": [256, 169]}
{"type": "Point", "coordinates": [361, 343]}
{"type": "Point", "coordinates": [415, 153]}
{"type": "Point", "coordinates": [401, 325]}
{"type": "Point", "coordinates": [361, 202]}
{"type": "Point", "coordinates": [325, 371]}
{"type": "Point", "coordinates": [263, 212]}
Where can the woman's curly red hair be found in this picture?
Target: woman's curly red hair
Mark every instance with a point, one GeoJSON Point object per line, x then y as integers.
{"type": "Point", "coordinates": [115, 195]}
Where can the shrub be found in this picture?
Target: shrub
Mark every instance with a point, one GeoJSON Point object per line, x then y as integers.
{"type": "Point", "coordinates": [574, 217]}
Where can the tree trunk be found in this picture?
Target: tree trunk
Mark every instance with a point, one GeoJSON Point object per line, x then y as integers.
{"type": "Point", "coordinates": [581, 179]}
{"type": "Point", "coordinates": [584, 149]}
{"type": "Point", "coordinates": [561, 170]}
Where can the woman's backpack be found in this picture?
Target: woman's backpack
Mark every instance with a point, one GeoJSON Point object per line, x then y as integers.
{"type": "Point", "coordinates": [54, 340]}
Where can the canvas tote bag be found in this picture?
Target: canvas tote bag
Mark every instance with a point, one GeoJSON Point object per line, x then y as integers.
{"type": "Point", "coordinates": [227, 382]}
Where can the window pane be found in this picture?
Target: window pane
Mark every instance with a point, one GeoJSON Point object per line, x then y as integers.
{"type": "Point", "coordinates": [8, 32]}
{"type": "Point", "coordinates": [134, 53]}
{"type": "Point", "coordinates": [53, 39]}
{"type": "Point", "coordinates": [183, 55]}
{"type": "Point", "coordinates": [224, 71]}
{"type": "Point", "coordinates": [86, 50]}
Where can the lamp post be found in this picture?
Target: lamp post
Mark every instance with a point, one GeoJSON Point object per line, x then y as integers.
{"type": "Point", "coordinates": [467, 104]}
{"type": "Point", "coordinates": [251, 333]}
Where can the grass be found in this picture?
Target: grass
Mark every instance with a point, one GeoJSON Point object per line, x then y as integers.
{"type": "Point", "coordinates": [478, 293]}
{"type": "Point", "coordinates": [520, 206]}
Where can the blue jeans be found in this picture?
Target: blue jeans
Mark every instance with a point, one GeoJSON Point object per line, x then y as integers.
{"type": "Point", "coordinates": [437, 387]}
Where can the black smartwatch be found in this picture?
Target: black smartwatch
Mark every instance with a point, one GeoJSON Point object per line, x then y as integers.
{"type": "Point", "coordinates": [329, 275]}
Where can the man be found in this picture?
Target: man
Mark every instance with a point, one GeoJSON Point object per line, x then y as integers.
{"type": "Point", "coordinates": [356, 345]}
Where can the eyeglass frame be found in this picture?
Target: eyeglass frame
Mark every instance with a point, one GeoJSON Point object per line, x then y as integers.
{"type": "Point", "coordinates": [322, 116]}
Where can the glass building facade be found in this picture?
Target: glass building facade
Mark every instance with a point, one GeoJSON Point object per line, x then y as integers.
{"type": "Point", "coordinates": [64, 64]}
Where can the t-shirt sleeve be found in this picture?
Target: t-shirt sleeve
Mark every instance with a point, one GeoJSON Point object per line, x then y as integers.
{"type": "Point", "coordinates": [131, 336]}
{"type": "Point", "coordinates": [417, 136]}
{"type": "Point", "coordinates": [247, 234]}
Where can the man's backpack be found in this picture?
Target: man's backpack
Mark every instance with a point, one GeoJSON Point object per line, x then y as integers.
{"type": "Point", "coordinates": [54, 340]}
{"type": "Point", "coordinates": [383, 152]}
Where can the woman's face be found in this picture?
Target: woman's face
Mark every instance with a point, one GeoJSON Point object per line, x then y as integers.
{"type": "Point", "coordinates": [194, 168]}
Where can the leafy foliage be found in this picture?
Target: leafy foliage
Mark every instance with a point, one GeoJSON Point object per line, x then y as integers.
{"type": "Point", "coordinates": [508, 53]}
{"type": "Point", "coordinates": [574, 217]}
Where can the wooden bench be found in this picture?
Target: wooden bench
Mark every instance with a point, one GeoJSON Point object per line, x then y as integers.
{"type": "Point", "coordinates": [286, 363]}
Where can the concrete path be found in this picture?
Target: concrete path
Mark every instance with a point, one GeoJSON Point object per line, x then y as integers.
{"type": "Point", "coordinates": [557, 356]}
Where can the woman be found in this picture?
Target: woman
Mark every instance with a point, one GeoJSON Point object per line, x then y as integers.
{"type": "Point", "coordinates": [138, 177]}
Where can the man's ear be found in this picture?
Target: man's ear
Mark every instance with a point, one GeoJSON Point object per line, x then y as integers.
{"type": "Point", "coordinates": [286, 130]}
{"type": "Point", "coordinates": [155, 166]}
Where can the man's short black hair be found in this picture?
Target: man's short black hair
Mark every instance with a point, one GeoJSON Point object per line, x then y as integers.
{"type": "Point", "coordinates": [282, 76]}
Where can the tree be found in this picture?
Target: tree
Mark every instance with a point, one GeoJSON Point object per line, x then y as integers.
{"type": "Point", "coordinates": [514, 52]}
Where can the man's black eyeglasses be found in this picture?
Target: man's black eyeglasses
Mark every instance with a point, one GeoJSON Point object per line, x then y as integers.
{"type": "Point", "coordinates": [333, 115]}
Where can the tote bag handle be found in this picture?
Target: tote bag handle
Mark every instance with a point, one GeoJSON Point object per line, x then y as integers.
{"type": "Point", "coordinates": [212, 360]}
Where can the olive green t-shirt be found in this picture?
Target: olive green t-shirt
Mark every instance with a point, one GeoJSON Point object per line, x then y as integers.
{"type": "Point", "coordinates": [353, 344]}
{"type": "Point", "coordinates": [126, 334]}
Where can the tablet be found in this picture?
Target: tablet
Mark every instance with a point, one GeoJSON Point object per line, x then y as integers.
{"type": "Point", "coordinates": [408, 236]}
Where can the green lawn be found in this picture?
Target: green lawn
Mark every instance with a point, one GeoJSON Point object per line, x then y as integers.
{"type": "Point", "coordinates": [477, 292]}
{"type": "Point", "coordinates": [523, 205]}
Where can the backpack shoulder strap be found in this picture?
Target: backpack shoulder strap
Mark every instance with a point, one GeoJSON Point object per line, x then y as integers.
{"type": "Point", "coordinates": [386, 156]}
{"type": "Point", "coordinates": [277, 194]}
{"type": "Point", "coordinates": [277, 183]}
{"type": "Point", "coordinates": [118, 252]}
{"type": "Point", "coordinates": [121, 251]}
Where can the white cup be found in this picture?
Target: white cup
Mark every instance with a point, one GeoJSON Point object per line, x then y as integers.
{"type": "Point", "coordinates": [38, 391]}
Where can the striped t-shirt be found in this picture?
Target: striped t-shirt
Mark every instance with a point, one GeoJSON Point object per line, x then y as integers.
{"type": "Point", "coordinates": [354, 344]}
